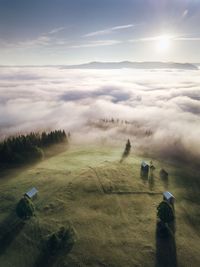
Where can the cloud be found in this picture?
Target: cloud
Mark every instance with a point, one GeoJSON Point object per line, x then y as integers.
{"type": "Point", "coordinates": [56, 30]}
{"type": "Point", "coordinates": [164, 103]}
{"type": "Point", "coordinates": [114, 94]}
{"type": "Point", "coordinates": [170, 37]}
{"type": "Point", "coordinates": [109, 30]}
{"type": "Point", "coordinates": [43, 40]}
{"type": "Point", "coordinates": [96, 44]}
{"type": "Point", "coordinates": [40, 41]}
{"type": "Point", "coordinates": [187, 39]}
{"type": "Point", "coordinates": [185, 13]}
{"type": "Point", "coordinates": [49, 39]}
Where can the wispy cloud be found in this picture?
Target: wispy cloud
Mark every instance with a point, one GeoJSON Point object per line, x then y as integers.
{"type": "Point", "coordinates": [97, 43]}
{"type": "Point", "coordinates": [150, 38]}
{"type": "Point", "coordinates": [187, 39]}
{"type": "Point", "coordinates": [41, 40]}
{"type": "Point", "coordinates": [109, 30]}
{"type": "Point", "coordinates": [45, 39]}
{"type": "Point", "coordinates": [56, 30]}
{"type": "Point", "coordinates": [169, 37]}
{"type": "Point", "coordinates": [185, 13]}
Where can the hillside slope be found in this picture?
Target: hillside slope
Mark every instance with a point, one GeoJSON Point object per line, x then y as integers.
{"type": "Point", "coordinates": [112, 210]}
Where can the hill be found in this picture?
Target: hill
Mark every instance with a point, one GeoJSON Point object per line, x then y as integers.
{"type": "Point", "coordinates": [112, 210]}
{"type": "Point", "coordinates": [133, 65]}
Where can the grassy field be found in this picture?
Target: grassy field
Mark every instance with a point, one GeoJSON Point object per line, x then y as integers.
{"type": "Point", "coordinates": [112, 210]}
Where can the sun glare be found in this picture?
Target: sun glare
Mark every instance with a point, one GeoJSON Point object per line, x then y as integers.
{"type": "Point", "coordinates": [163, 43]}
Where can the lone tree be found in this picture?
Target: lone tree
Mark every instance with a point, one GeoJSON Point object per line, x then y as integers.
{"type": "Point", "coordinates": [127, 150]}
{"type": "Point", "coordinates": [25, 208]}
{"type": "Point", "coordinates": [64, 238]}
{"type": "Point", "coordinates": [165, 212]}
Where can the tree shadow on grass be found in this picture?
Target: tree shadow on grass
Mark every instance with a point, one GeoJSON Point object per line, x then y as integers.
{"type": "Point", "coordinates": [151, 182]}
{"type": "Point", "coordinates": [57, 245]}
{"type": "Point", "coordinates": [144, 176]}
{"type": "Point", "coordinates": [166, 248]}
{"type": "Point", "coordinates": [165, 182]}
{"type": "Point", "coordinates": [45, 259]}
{"type": "Point", "coordinates": [10, 228]}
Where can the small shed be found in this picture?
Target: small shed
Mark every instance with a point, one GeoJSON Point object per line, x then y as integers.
{"type": "Point", "coordinates": [31, 193]}
{"type": "Point", "coordinates": [167, 196]}
{"type": "Point", "coordinates": [144, 167]}
{"type": "Point", "coordinates": [163, 174]}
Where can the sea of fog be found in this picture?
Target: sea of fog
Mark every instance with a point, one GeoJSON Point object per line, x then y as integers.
{"type": "Point", "coordinates": [166, 102]}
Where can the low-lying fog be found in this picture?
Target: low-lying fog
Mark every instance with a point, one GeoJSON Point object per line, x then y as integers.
{"type": "Point", "coordinates": [164, 102]}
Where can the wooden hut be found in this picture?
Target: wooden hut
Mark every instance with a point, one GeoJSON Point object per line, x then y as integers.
{"type": "Point", "coordinates": [144, 167]}
{"type": "Point", "coordinates": [163, 174]}
{"type": "Point", "coordinates": [31, 193]}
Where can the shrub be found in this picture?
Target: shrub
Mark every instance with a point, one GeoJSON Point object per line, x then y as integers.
{"type": "Point", "coordinates": [25, 208]}
{"type": "Point", "coordinates": [62, 239]}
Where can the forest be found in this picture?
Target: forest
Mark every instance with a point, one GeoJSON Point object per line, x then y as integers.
{"type": "Point", "coordinates": [26, 148]}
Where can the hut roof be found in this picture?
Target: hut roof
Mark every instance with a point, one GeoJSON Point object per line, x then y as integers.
{"type": "Point", "coordinates": [163, 171]}
{"type": "Point", "coordinates": [31, 193]}
{"type": "Point", "coordinates": [144, 164]}
{"type": "Point", "coordinates": [168, 195]}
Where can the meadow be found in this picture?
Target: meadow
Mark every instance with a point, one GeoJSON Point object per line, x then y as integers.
{"type": "Point", "coordinates": [112, 210]}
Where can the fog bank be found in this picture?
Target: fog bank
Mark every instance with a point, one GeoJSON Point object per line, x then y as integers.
{"type": "Point", "coordinates": [164, 102]}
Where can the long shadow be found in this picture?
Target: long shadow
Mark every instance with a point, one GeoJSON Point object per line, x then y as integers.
{"type": "Point", "coordinates": [151, 182]}
{"type": "Point", "coordinates": [166, 248]}
{"type": "Point", "coordinates": [9, 170]}
{"type": "Point", "coordinates": [165, 181]}
{"type": "Point", "coordinates": [144, 176]}
{"type": "Point", "coordinates": [9, 230]}
{"type": "Point", "coordinates": [45, 259]}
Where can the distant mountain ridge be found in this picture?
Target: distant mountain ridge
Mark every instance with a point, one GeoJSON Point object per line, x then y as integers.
{"type": "Point", "coordinates": [133, 65]}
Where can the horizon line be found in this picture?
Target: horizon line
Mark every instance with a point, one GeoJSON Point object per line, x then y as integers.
{"type": "Point", "coordinates": [89, 62]}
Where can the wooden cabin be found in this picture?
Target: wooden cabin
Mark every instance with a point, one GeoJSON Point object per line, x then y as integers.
{"type": "Point", "coordinates": [144, 167]}
{"type": "Point", "coordinates": [163, 174]}
{"type": "Point", "coordinates": [31, 193]}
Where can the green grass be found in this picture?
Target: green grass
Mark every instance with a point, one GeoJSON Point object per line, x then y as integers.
{"type": "Point", "coordinates": [114, 230]}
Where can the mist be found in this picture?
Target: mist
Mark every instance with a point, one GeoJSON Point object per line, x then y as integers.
{"type": "Point", "coordinates": [164, 102]}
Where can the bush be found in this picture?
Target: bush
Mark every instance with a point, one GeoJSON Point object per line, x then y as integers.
{"type": "Point", "coordinates": [25, 208]}
{"type": "Point", "coordinates": [63, 239]}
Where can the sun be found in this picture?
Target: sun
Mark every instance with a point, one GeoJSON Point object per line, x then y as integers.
{"type": "Point", "coordinates": [163, 43]}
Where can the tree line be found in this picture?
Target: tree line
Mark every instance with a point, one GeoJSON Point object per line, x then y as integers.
{"type": "Point", "coordinates": [139, 128]}
{"type": "Point", "coordinates": [25, 148]}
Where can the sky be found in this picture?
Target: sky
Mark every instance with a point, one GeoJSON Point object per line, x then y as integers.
{"type": "Point", "coordinates": [43, 32]}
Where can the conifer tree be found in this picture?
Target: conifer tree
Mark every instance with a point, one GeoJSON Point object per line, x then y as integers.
{"type": "Point", "coordinates": [127, 150]}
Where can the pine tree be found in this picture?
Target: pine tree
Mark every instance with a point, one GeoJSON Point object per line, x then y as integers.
{"type": "Point", "coordinates": [165, 212]}
{"type": "Point", "coordinates": [127, 150]}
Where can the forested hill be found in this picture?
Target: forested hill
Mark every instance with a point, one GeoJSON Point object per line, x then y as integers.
{"type": "Point", "coordinates": [25, 148]}
{"type": "Point", "coordinates": [133, 65]}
